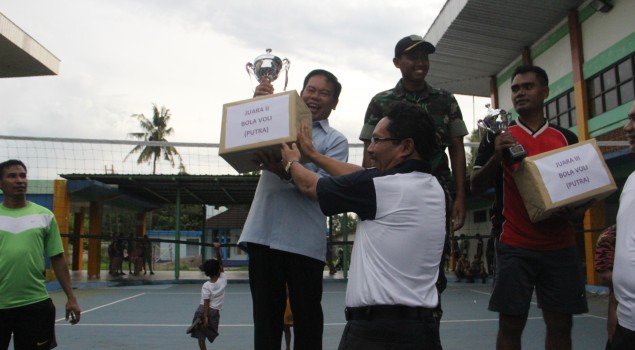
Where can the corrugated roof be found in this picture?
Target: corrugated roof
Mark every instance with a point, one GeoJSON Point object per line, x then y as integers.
{"type": "Point", "coordinates": [476, 39]}
{"type": "Point", "coordinates": [218, 190]}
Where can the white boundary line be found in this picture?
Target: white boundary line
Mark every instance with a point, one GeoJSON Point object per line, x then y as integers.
{"type": "Point", "coordinates": [102, 306]}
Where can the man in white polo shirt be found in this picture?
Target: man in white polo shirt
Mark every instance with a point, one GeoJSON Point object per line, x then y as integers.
{"type": "Point", "coordinates": [391, 295]}
{"type": "Point", "coordinates": [624, 265]}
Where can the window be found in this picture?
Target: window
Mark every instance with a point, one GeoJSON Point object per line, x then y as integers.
{"type": "Point", "coordinates": [612, 87]}
{"type": "Point", "coordinates": [561, 110]}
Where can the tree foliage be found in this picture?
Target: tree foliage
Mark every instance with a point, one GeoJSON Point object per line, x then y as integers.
{"type": "Point", "coordinates": [338, 224]}
{"type": "Point", "coordinates": [192, 218]}
{"type": "Point", "coordinates": [155, 130]}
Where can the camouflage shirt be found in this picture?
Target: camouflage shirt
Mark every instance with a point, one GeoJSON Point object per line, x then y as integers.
{"type": "Point", "coordinates": [440, 105]}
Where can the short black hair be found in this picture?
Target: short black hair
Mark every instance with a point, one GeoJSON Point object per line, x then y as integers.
{"type": "Point", "coordinates": [408, 120]}
{"type": "Point", "coordinates": [528, 68]}
{"type": "Point", "coordinates": [10, 163]}
{"type": "Point", "coordinates": [330, 77]}
{"type": "Point", "coordinates": [210, 267]}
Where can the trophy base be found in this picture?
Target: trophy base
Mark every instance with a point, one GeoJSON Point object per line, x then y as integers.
{"type": "Point", "coordinates": [515, 154]}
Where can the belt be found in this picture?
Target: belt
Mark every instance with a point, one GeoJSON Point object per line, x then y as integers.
{"type": "Point", "coordinates": [388, 312]}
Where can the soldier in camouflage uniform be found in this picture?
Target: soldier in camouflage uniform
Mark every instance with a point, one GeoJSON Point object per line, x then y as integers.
{"type": "Point", "coordinates": [411, 57]}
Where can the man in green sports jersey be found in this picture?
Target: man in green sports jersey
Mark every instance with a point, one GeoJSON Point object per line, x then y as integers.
{"type": "Point", "coordinates": [28, 232]}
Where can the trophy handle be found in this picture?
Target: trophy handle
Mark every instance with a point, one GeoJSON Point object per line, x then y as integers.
{"type": "Point", "coordinates": [249, 67]}
{"type": "Point", "coordinates": [285, 65]}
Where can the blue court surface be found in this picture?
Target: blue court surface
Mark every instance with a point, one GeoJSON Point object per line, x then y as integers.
{"type": "Point", "coordinates": [155, 315]}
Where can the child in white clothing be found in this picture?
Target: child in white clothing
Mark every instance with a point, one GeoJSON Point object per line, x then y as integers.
{"type": "Point", "coordinates": [207, 315]}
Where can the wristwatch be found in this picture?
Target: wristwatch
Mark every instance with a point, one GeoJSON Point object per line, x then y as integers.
{"type": "Point", "coordinates": [287, 167]}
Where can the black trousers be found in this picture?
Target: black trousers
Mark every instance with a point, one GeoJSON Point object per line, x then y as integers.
{"type": "Point", "coordinates": [269, 271]}
{"type": "Point", "coordinates": [623, 338]}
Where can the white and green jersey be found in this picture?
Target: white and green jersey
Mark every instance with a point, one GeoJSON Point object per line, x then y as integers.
{"type": "Point", "coordinates": [26, 234]}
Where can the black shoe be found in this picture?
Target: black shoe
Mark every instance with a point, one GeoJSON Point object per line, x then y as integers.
{"type": "Point", "coordinates": [193, 326]}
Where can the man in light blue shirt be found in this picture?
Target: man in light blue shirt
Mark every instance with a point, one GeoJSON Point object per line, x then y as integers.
{"type": "Point", "coordinates": [284, 231]}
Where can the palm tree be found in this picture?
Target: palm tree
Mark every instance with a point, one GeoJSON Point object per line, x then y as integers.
{"type": "Point", "coordinates": [155, 130]}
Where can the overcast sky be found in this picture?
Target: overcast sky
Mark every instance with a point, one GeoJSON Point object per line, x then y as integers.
{"type": "Point", "coordinates": [120, 56]}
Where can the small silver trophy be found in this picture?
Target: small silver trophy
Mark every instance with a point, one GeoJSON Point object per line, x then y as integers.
{"type": "Point", "coordinates": [513, 154]}
{"type": "Point", "coordinates": [266, 67]}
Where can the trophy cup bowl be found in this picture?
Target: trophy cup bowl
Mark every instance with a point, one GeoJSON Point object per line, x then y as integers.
{"type": "Point", "coordinates": [267, 67]}
{"type": "Point", "coordinates": [490, 122]}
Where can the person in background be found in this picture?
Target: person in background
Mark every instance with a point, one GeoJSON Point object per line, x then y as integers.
{"type": "Point", "coordinates": [207, 315]}
{"type": "Point", "coordinates": [462, 268]}
{"type": "Point", "coordinates": [624, 265]}
{"type": "Point", "coordinates": [464, 246]}
{"type": "Point", "coordinates": [28, 233]}
{"type": "Point", "coordinates": [288, 323]}
{"type": "Point", "coordinates": [477, 270]}
{"type": "Point", "coordinates": [490, 255]}
{"type": "Point", "coordinates": [329, 259]}
{"type": "Point", "coordinates": [455, 250]}
{"type": "Point", "coordinates": [603, 264]}
{"type": "Point", "coordinates": [479, 245]}
{"type": "Point", "coordinates": [147, 255]}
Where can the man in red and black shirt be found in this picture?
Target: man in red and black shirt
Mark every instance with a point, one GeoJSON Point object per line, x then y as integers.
{"type": "Point", "coordinates": [530, 255]}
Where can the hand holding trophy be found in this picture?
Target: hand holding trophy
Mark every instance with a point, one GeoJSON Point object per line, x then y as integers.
{"type": "Point", "coordinates": [513, 154]}
{"type": "Point", "coordinates": [266, 68]}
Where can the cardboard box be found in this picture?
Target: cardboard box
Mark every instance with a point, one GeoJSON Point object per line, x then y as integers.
{"type": "Point", "coordinates": [567, 176]}
{"type": "Point", "coordinates": [260, 124]}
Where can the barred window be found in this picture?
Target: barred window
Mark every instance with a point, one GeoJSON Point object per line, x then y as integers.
{"type": "Point", "coordinates": [561, 110]}
{"type": "Point", "coordinates": [612, 87]}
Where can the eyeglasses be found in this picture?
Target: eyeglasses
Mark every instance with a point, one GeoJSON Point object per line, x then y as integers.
{"type": "Point", "coordinates": [374, 139]}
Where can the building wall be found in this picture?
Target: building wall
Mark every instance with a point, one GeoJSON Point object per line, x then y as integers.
{"type": "Point", "coordinates": [557, 60]}
{"type": "Point", "coordinates": [603, 30]}
{"type": "Point", "coordinates": [607, 39]}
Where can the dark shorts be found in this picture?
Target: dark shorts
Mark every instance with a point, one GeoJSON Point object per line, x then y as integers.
{"type": "Point", "coordinates": [32, 326]}
{"type": "Point", "coordinates": [556, 276]}
{"type": "Point", "coordinates": [211, 332]}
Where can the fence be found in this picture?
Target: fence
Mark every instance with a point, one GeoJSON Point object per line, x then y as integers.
{"type": "Point", "coordinates": [48, 158]}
